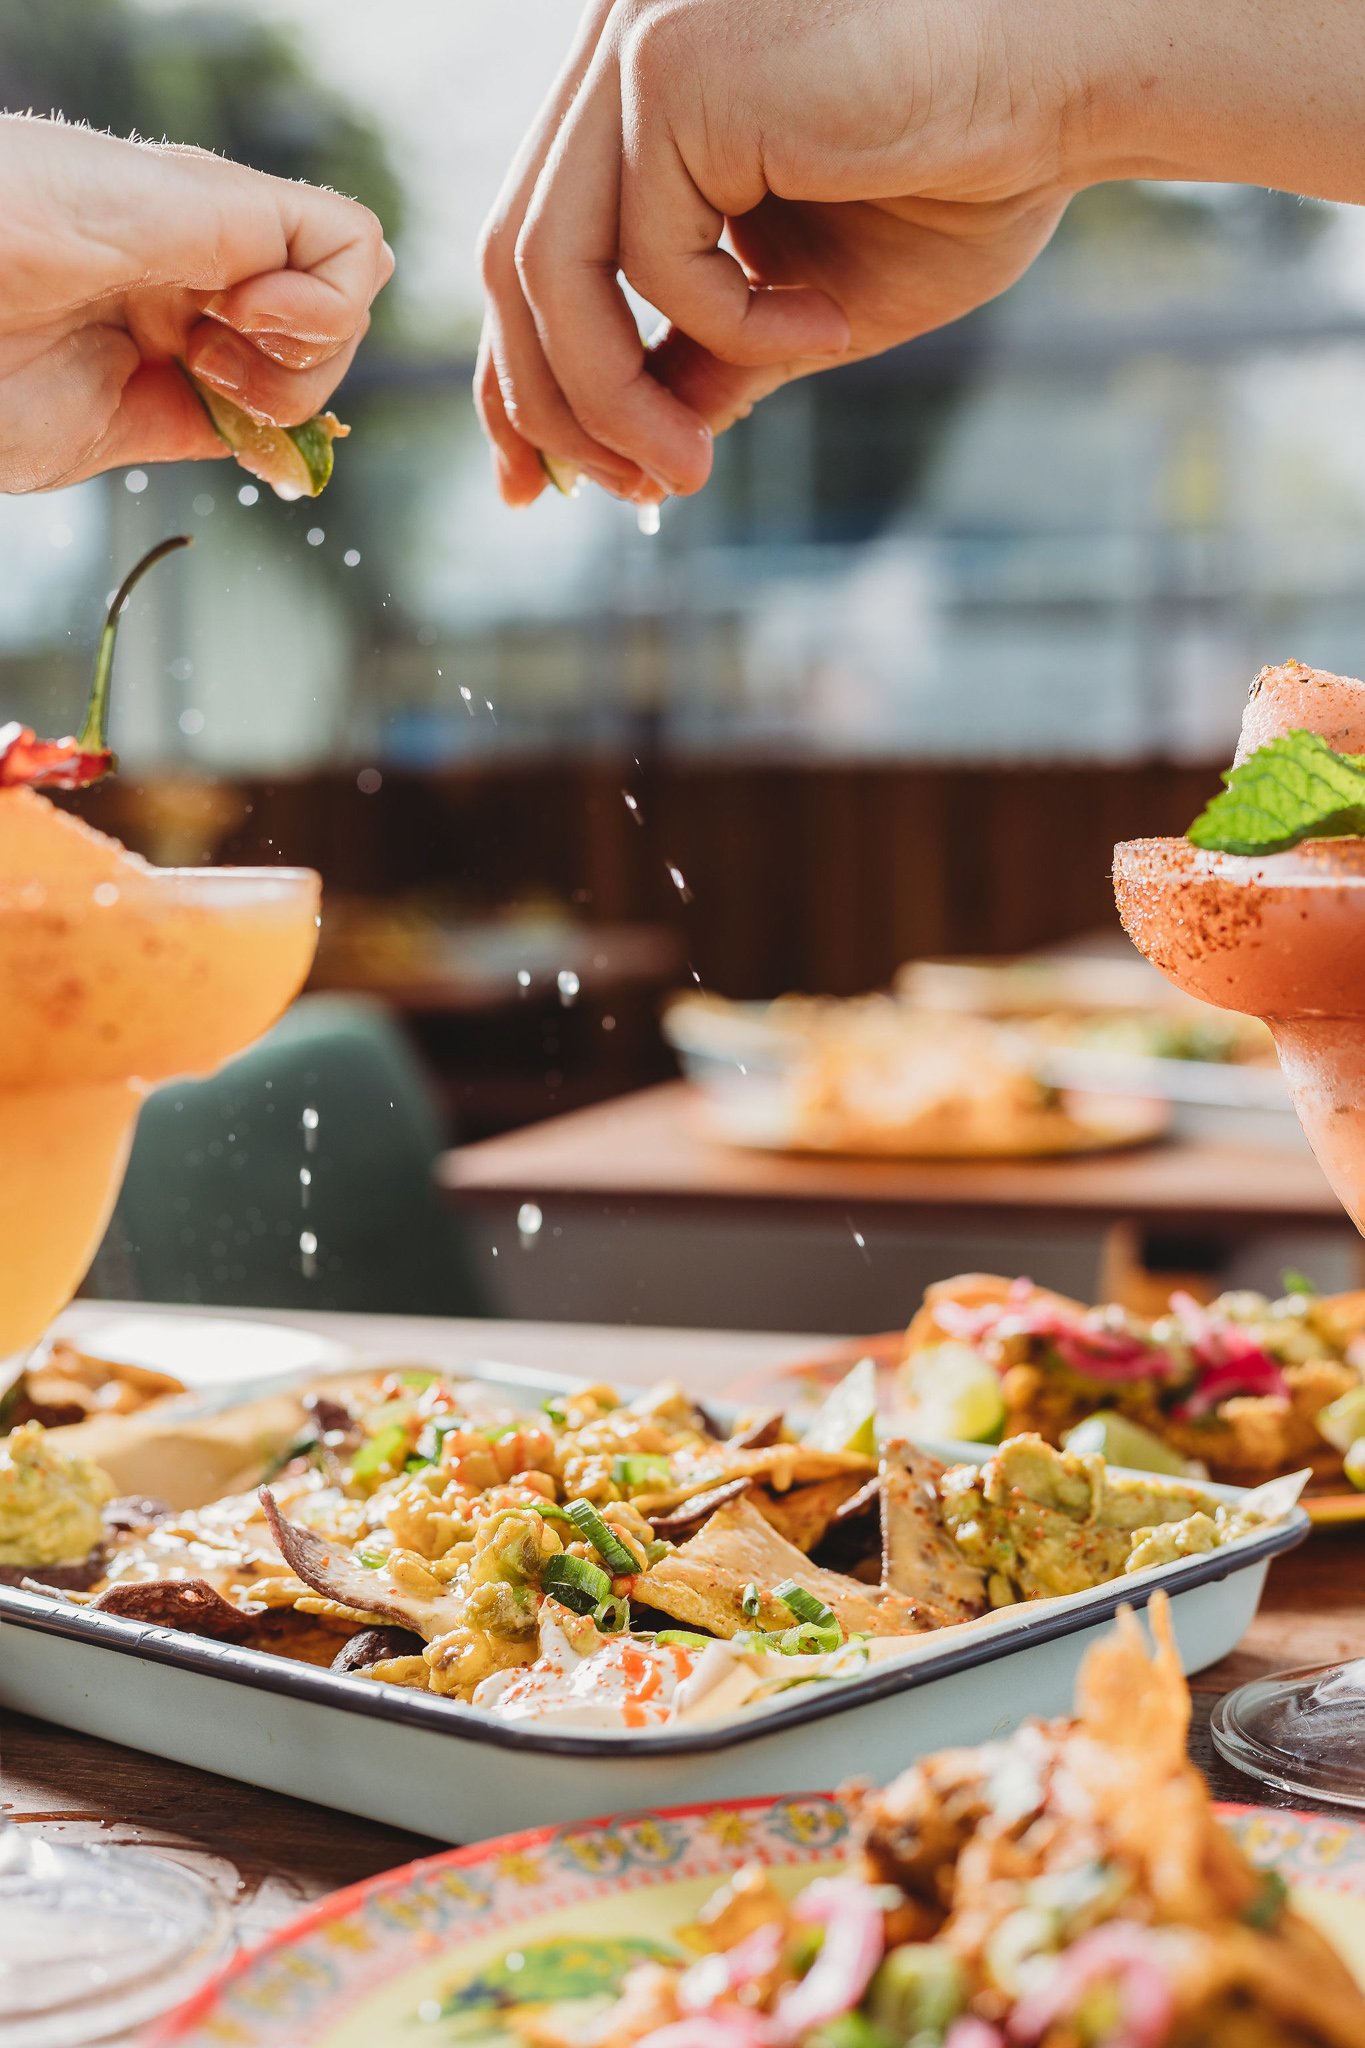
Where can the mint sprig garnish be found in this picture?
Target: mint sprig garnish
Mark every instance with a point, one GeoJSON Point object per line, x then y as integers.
{"type": "Point", "coordinates": [1291, 789]}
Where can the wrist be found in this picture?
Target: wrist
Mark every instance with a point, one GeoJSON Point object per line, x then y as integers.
{"type": "Point", "coordinates": [1259, 92]}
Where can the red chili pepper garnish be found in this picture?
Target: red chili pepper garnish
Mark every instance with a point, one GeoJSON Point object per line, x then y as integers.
{"type": "Point", "coordinates": [55, 764]}
{"type": "Point", "coordinates": [76, 762]}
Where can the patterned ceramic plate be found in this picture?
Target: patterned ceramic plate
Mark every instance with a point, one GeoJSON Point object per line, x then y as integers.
{"type": "Point", "coordinates": [437, 1954]}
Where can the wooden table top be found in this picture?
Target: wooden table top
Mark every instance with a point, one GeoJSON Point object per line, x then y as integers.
{"type": "Point", "coordinates": [652, 1149]}
{"type": "Point", "coordinates": [269, 1855]}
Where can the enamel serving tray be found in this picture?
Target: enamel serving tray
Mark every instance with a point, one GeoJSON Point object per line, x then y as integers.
{"type": "Point", "coordinates": [455, 1772]}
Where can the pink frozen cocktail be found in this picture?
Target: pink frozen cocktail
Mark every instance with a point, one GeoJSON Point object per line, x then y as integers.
{"type": "Point", "coordinates": [1277, 935]}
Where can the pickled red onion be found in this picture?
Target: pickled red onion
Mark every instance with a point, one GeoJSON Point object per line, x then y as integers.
{"type": "Point", "coordinates": [1121, 1952]}
{"type": "Point", "coordinates": [855, 1938]}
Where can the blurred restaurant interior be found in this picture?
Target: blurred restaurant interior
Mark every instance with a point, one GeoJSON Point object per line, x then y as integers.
{"type": "Point", "coordinates": [944, 627]}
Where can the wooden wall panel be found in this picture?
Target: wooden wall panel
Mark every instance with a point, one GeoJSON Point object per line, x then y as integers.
{"type": "Point", "coordinates": [822, 878]}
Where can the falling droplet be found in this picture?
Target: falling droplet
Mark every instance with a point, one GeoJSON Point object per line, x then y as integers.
{"type": "Point", "coordinates": [679, 881]}
{"type": "Point", "coordinates": [647, 519]}
{"type": "Point", "coordinates": [859, 1240]}
{"type": "Point", "coordinates": [523, 977]}
{"type": "Point", "coordinates": [632, 804]}
{"type": "Point", "coordinates": [308, 1254]}
{"type": "Point", "coordinates": [529, 1221]}
{"type": "Point", "coordinates": [568, 984]}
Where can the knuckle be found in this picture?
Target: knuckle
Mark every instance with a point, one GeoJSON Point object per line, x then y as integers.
{"type": "Point", "coordinates": [495, 254]}
{"type": "Point", "coordinates": [526, 416]}
{"type": "Point", "coordinates": [531, 257]}
{"type": "Point", "coordinates": [595, 417]}
{"type": "Point", "coordinates": [650, 44]}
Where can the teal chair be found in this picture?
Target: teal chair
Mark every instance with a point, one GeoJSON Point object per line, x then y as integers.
{"type": "Point", "coordinates": [299, 1177]}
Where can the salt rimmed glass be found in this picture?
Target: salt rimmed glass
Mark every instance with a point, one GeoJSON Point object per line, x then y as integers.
{"type": "Point", "coordinates": [1282, 937]}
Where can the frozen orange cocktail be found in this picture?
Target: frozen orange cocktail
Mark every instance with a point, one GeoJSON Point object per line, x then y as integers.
{"type": "Point", "coordinates": [114, 976]}
{"type": "Point", "coordinates": [1279, 934]}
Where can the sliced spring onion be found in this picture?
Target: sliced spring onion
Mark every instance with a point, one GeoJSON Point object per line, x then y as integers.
{"type": "Point", "coordinates": [556, 1408]}
{"type": "Point", "coordinates": [577, 1583]}
{"type": "Point", "coordinates": [660, 1547]}
{"type": "Point", "coordinates": [498, 1430]}
{"type": "Point", "coordinates": [372, 1560]}
{"type": "Point", "coordinates": [685, 1638]}
{"type": "Point", "coordinates": [302, 1447]}
{"type": "Point", "coordinates": [603, 1538]}
{"type": "Point", "coordinates": [551, 1511]}
{"type": "Point", "coordinates": [640, 1469]}
{"type": "Point", "coordinates": [805, 1606]}
{"type": "Point", "coordinates": [751, 1603]}
{"type": "Point", "coordinates": [612, 1615]}
{"type": "Point", "coordinates": [811, 1639]}
{"type": "Point", "coordinates": [418, 1379]}
{"type": "Point", "coordinates": [382, 1452]}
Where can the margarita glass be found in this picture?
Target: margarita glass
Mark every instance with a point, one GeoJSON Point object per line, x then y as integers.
{"type": "Point", "coordinates": [1281, 936]}
{"type": "Point", "coordinates": [114, 977]}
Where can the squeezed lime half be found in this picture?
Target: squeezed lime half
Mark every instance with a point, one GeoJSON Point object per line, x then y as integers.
{"type": "Point", "coordinates": [296, 462]}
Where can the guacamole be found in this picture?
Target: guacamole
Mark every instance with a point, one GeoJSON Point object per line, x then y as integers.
{"type": "Point", "coordinates": [49, 1504]}
{"type": "Point", "coordinates": [1040, 1522]}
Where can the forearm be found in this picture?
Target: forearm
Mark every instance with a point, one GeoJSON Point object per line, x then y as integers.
{"type": "Point", "coordinates": [1253, 92]}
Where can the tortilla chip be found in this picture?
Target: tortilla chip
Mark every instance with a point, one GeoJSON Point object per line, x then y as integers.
{"type": "Point", "coordinates": [192, 1605]}
{"type": "Point", "coordinates": [804, 1514]}
{"type": "Point", "coordinates": [329, 1569]}
{"type": "Point", "coordinates": [918, 1554]}
{"type": "Point", "coordinates": [685, 1519]}
{"type": "Point", "coordinates": [74, 1577]}
{"type": "Point", "coordinates": [376, 1646]}
{"type": "Point", "coordinates": [703, 1583]}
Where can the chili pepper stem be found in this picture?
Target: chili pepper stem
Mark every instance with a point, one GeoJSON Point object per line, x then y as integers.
{"type": "Point", "coordinates": [93, 737]}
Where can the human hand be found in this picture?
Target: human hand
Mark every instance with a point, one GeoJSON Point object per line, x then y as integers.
{"type": "Point", "coordinates": [878, 168]}
{"type": "Point", "coordinates": [123, 259]}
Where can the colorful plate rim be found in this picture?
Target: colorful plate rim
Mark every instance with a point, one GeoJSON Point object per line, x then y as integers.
{"type": "Point", "coordinates": [1300, 1839]}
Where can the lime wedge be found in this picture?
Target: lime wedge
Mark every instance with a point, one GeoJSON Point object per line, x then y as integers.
{"type": "Point", "coordinates": [296, 462]}
{"type": "Point", "coordinates": [1354, 1463]}
{"type": "Point", "coordinates": [1342, 1422]}
{"type": "Point", "coordinates": [846, 1419]}
{"type": "Point", "coordinates": [565, 478]}
{"type": "Point", "coordinates": [1121, 1442]}
{"type": "Point", "coordinates": [949, 1391]}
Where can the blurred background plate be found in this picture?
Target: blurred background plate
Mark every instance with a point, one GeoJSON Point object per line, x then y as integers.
{"type": "Point", "coordinates": [207, 1352]}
